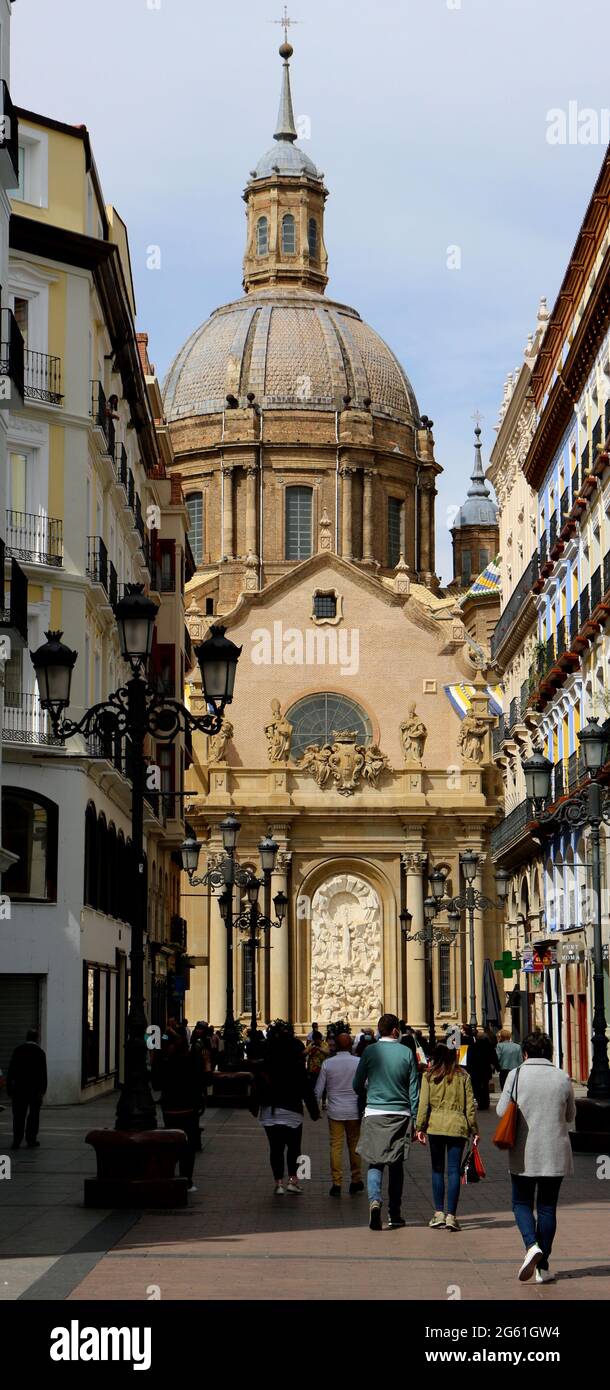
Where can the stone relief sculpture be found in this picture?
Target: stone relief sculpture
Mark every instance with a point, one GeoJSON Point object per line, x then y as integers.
{"type": "Point", "coordinates": [325, 541]}
{"type": "Point", "coordinates": [278, 733]}
{"type": "Point", "coordinates": [345, 762]}
{"type": "Point", "coordinates": [471, 738]}
{"type": "Point", "coordinates": [413, 734]}
{"type": "Point", "coordinates": [217, 748]}
{"type": "Point", "coordinates": [346, 950]}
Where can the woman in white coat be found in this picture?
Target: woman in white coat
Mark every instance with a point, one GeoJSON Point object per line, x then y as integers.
{"type": "Point", "coordinates": [541, 1155]}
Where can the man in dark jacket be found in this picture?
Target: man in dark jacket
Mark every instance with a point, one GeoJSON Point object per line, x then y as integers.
{"type": "Point", "coordinates": [26, 1083]}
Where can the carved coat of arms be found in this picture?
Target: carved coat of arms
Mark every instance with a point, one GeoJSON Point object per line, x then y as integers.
{"type": "Point", "coordinates": [344, 763]}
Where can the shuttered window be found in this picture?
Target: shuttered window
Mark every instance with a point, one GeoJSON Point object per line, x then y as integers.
{"type": "Point", "coordinates": [298, 523]}
{"type": "Point", "coordinates": [194, 506]}
{"type": "Point", "coordinates": [395, 530]}
{"type": "Point", "coordinates": [444, 962]}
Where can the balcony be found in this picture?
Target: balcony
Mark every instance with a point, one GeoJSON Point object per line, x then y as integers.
{"type": "Point", "coordinates": [585, 605]}
{"type": "Point", "coordinates": [13, 605]}
{"type": "Point", "coordinates": [102, 416]}
{"type": "Point", "coordinates": [596, 587]}
{"type": "Point", "coordinates": [516, 602]}
{"type": "Point", "coordinates": [42, 378]}
{"type": "Point", "coordinates": [543, 551]}
{"type": "Point", "coordinates": [131, 490]}
{"type": "Point", "coordinates": [552, 530]}
{"type": "Point", "coordinates": [97, 561]}
{"type": "Point", "coordinates": [607, 572]}
{"type": "Point", "coordinates": [24, 722]}
{"type": "Point", "coordinates": [558, 781]}
{"type": "Point", "coordinates": [560, 641]}
{"type": "Point", "coordinates": [12, 385]}
{"type": "Point", "coordinates": [178, 932]}
{"type": "Point", "coordinates": [113, 587]}
{"type": "Point", "coordinates": [9, 140]}
{"type": "Point", "coordinates": [498, 736]}
{"type": "Point", "coordinates": [514, 711]}
{"type": "Point", "coordinates": [34, 540]}
{"type": "Point", "coordinates": [511, 829]}
{"type": "Point", "coordinates": [574, 621]}
{"type": "Point", "coordinates": [576, 770]}
{"type": "Point", "coordinates": [120, 465]}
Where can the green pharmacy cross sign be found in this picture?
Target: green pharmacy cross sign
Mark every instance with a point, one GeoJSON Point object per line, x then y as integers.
{"type": "Point", "coordinates": [507, 965]}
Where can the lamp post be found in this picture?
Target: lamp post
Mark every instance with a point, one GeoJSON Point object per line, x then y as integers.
{"type": "Point", "coordinates": [469, 901]}
{"type": "Point", "coordinates": [430, 936]}
{"type": "Point", "coordinates": [225, 876]}
{"type": "Point", "coordinates": [588, 807]}
{"type": "Point", "coordinates": [252, 921]}
{"type": "Point", "coordinates": [128, 717]}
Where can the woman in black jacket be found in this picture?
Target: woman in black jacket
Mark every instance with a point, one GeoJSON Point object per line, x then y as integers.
{"type": "Point", "coordinates": [280, 1086]}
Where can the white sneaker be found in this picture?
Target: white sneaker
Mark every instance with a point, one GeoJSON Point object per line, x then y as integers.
{"type": "Point", "coordinates": [192, 1188]}
{"type": "Point", "coordinates": [294, 1188]}
{"type": "Point", "coordinates": [279, 1189]}
{"type": "Point", "coordinates": [533, 1257]}
{"type": "Point", "coordinates": [544, 1276]}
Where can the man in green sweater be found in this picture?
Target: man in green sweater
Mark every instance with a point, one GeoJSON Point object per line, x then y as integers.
{"type": "Point", "coordinates": [387, 1081]}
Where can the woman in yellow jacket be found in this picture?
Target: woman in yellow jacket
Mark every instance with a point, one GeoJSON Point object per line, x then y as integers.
{"type": "Point", "coordinates": [447, 1115]}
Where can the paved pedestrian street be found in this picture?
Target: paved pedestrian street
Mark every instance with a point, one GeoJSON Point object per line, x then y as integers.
{"type": "Point", "coordinates": [237, 1241]}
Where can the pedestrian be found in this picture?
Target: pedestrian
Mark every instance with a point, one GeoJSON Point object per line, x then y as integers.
{"type": "Point", "coordinates": [335, 1081]}
{"type": "Point", "coordinates": [387, 1078]}
{"type": "Point", "coordinates": [364, 1041]}
{"type": "Point", "coordinates": [26, 1084]}
{"type": "Point", "coordinates": [182, 1082]}
{"type": "Point", "coordinates": [509, 1055]}
{"type": "Point", "coordinates": [280, 1086]}
{"type": "Point", "coordinates": [313, 1031]}
{"type": "Point", "coordinates": [481, 1062]}
{"type": "Point", "coordinates": [541, 1155]}
{"type": "Point", "coordinates": [447, 1116]}
{"type": "Point", "coordinates": [316, 1052]}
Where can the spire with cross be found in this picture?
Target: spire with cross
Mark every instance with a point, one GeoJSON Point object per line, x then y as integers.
{"type": "Point", "coordinates": [286, 23]}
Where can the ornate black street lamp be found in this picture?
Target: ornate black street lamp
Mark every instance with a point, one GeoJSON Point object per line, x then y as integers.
{"type": "Point", "coordinates": [225, 876]}
{"type": "Point", "coordinates": [588, 807]}
{"type": "Point", "coordinates": [128, 717]}
{"type": "Point", "coordinates": [253, 922]}
{"type": "Point", "coordinates": [430, 936]}
{"type": "Point", "coordinates": [469, 901]}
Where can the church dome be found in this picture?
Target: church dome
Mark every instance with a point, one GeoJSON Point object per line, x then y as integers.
{"type": "Point", "coordinates": [290, 349]}
{"type": "Point", "coordinates": [284, 158]}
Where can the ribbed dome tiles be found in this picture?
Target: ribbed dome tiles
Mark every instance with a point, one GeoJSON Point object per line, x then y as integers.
{"type": "Point", "coordinates": [292, 350]}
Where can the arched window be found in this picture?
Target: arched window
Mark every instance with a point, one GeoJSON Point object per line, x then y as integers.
{"type": "Point", "coordinates": [299, 514]}
{"type": "Point", "coordinates": [29, 830]}
{"type": "Point", "coordinates": [289, 235]}
{"type": "Point", "coordinates": [102, 863]}
{"type": "Point", "coordinates": [113, 880]}
{"type": "Point", "coordinates": [313, 236]}
{"type": "Point", "coordinates": [121, 861]}
{"type": "Point", "coordinates": [318, 718]}
{"type": "Point", "coordinates": [90, 888]}
{"type": "Point", "coordinates": [262, 237]}
{"type": "Point", "coordinates": [194, 507]}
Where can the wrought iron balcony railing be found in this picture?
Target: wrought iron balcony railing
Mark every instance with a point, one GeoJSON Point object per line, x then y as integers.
{"type": "Point", "coordinates": [596, 587]}
{"type": "Point", "coordinates": [120, 464]}
{"type": "Point", "coordinates": [97, 561]}
{"type": "Point", "coordinates": [515, 603]}
{"type": "Point", "coordinates": [35, 540]}
{"type": "Point", "coordinates": [560, 641]}
{"type": "Point", "coordinates": [511, 829]}
{"type": "Point", "coordinates": [24, 722]}
{"type": "Point", "coordinates": [42, 377]}
{"type": "Point", "coordinates": [102, 415]}
{"type": "Point", "coordinates": [585, 605]}
{"type": "Point", "coordinates": [13, 605]}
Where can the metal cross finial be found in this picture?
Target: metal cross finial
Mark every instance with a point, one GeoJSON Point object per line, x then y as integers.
{"type": "Point", "coordinates": [477, 417]}
{"type": "Point", "coordinates": [285, 22]}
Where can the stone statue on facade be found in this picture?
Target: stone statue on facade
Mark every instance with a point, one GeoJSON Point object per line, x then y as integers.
{"type": "Point", "coordinates": [471, 738]}
{"type": "Point", "coordinates": [413, 734]}
{"type": "Point", "coordinates": [346, 950]}
{"type": "Point", "coordinates": [278, 733]}
{"type": "Point", "coordinates": [217, 749]}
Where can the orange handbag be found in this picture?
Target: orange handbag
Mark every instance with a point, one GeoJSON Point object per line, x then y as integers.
{"type": "Point", "coordinates": [505, 1133]}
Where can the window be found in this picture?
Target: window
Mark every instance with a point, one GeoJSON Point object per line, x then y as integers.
{"type": "Point", "coordinates": [90, 886]}
{"type": "Point", "coordinates": [313, 237]}
{"type": "Point", "coordinates": [289, 235]}
{"type": "Point", "coordinates": [325, 605]}
{"type": "Point", "coordinates": [194, 506]}
{"type": "Point", "coordinates": [395, 530]}
{"type": "Point", "coordinates": [444, 972]}
{"type": "Point", "coordinates": [483, 560]}
{"type": "Point", "coordinates": [466, 567]}
{"type": "Point", "coordinates": [100, 1000]}
{"type": "Point", "coordinates": [163, 664]}
{"type": "Point", "coordinates": [209, 607]}
{"type": "Point", "coordinates": [18, 482]}
{"type": "Point", "coordinates": [29, 826]}
{"type": "Point", "coordinates": [299, 509]}
{"type": "Point", "coordinates": [20, 310]}
{"type": "Point", "coordinates": [33, 167]}
{"type": "Point", "coordinates": [166, 557]}
{"type": "Point", "coordinates": [318, 718]}
{"type": "Point", "coordinates": [19, 191]}
{"type": "Point", "coordinates": [262, 237]}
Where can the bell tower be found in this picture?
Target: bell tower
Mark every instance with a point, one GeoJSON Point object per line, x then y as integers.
{"type": "Point", "coordinates": [285, 199]}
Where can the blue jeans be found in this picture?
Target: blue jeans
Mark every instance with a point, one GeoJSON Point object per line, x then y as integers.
{"type": "Point", "coordinates": [542, 1231]}
{"type": "Point", "coordinates": [396, 1177]}
{"type": "Point", "coordinates": [441, 1144]}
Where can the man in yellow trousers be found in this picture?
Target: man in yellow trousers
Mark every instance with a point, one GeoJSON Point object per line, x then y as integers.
{"type": "Point", "coordinates": [336, 1076]}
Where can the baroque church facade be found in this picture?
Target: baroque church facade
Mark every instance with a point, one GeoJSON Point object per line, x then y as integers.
{"type": "Point", "coordinates": [360, 728]}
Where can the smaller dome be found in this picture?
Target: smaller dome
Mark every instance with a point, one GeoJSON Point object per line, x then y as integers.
{"type": "Point", "coordinates": [479, 509]}
{"type": "Point", "coordinates": [285, 158]}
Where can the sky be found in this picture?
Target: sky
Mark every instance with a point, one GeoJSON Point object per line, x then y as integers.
{"type": "Point", "coordinates": [430, 120]}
